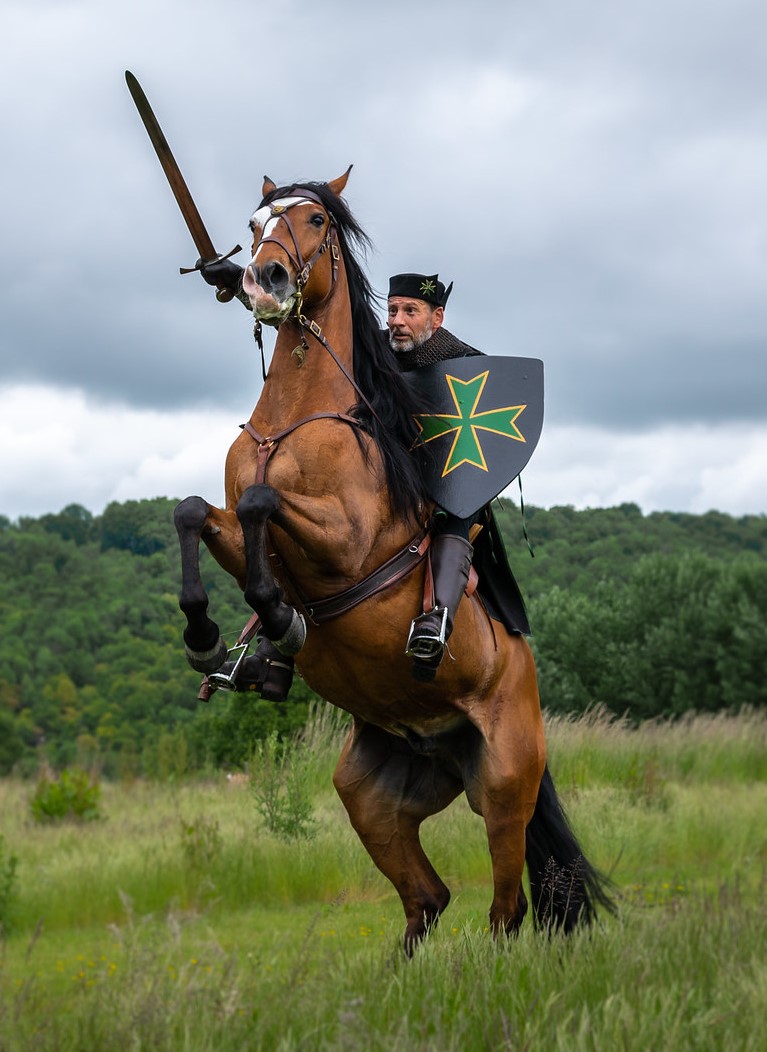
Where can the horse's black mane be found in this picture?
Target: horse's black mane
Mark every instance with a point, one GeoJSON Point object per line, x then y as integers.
{"type": "Point", "coordinates": [375, 367]}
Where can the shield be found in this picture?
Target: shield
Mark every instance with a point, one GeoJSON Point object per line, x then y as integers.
{"type": "Point", "coordinates": [481, 422]}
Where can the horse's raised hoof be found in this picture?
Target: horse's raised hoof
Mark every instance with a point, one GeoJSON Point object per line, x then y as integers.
{"type": "Point", "coordinates": [207, 660]}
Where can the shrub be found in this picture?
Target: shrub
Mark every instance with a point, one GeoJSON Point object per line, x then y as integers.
{"type": "Point", "coordinates": [70, 796]}
{"type": "Point", "coordinates": [279, 781]}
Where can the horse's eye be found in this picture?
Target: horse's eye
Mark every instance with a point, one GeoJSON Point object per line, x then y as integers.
{"type": "Point", "coordinates": [318, 219]}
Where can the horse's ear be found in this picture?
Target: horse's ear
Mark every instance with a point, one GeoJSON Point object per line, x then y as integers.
{"type": "Point", "coordinates": [268, 186]}
{"type": "Point", "coordinates": [337, 185]}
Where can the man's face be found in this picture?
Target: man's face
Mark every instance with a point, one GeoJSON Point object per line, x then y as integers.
{"type": "Point", "coordinates": [411, 322]}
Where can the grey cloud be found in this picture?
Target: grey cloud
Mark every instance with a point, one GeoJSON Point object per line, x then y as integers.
{"type": "Point", "coordinates": [591, 176]}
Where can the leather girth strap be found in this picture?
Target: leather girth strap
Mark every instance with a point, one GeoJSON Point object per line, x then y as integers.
{"type": "Point", "coordinates": [392, 571]}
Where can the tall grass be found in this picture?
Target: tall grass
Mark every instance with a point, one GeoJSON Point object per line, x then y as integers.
{"type": "Point", "coordinates": [178, 922]}
{"type": "Point", "coordinates": [601, 749]}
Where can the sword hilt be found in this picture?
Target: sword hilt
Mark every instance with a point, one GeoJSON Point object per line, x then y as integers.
{"type": "Point", "coordinates": [223, 294]}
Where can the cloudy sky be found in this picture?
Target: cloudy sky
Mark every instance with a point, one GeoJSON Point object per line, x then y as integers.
{"type": "Point", "coordinates": [592, 174]}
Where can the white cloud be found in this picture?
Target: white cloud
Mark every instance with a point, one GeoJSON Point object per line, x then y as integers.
{"type": "Point", "coordinates": [60, 448]}
{"type": "Point", "coordinates": [693, 469]}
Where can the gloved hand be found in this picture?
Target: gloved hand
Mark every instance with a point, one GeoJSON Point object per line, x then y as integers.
{"type": "Point", "coordinates": [223, 274]}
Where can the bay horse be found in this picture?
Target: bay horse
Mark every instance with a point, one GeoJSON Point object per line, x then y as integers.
{"type": "Point", "coordinates": [321, 493]}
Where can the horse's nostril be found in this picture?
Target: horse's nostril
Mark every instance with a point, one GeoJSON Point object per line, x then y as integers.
{"type": "Point", "coordinates": [274, 277]}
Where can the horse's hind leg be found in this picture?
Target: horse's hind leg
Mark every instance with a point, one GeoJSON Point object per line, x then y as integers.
{"type": "Point", "coordinates": [280, 622]}
{"type": "Point", "coordinates": [505, 812]}
{"type": "Point", "coordinates": [388, 790]}
{"type": "Point", "coordinates": [502, 778]}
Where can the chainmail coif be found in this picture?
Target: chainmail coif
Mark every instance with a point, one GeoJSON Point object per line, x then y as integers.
{"type": "Point", "coordinates": [440, 346]}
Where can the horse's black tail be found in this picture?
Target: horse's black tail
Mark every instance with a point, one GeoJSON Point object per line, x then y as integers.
{"type": "Point", "coordinates": [566, 889]}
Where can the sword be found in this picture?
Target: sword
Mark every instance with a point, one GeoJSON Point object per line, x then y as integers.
{"type": "Point", "coordinates": [180, 190]}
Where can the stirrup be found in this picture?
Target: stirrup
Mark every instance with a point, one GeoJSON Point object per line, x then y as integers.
{"type": "Point", "coordinates": [226, 680]}
{"type": "Point", "coordinates": [429, 644]}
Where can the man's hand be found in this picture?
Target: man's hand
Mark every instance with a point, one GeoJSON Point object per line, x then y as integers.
{"type": "Point", "coordinates": [223, 274]}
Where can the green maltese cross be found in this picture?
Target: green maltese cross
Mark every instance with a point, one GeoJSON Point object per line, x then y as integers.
{"type": "Point", "coordinates": [467, 422]}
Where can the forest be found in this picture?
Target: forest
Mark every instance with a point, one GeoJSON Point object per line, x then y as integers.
{"type": "Point", "coordinates": [646, 616]}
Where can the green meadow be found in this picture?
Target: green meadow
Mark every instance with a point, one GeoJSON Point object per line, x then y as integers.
{"type": "Point", "coordinates": [177, 921]}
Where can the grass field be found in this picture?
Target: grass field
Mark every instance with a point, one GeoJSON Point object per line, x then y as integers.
{"type": "Point", "coordinates": [178, 922]}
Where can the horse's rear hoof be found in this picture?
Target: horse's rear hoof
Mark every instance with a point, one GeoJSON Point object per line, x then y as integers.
{"type": "Point", "coordinates": [207, 660]}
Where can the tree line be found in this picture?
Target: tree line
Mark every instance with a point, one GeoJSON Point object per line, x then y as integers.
{"type": "Point", "coordinates": [649, 615]}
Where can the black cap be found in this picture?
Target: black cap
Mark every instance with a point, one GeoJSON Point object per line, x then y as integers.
{"type": "Point", "coordinates": [420, 287]}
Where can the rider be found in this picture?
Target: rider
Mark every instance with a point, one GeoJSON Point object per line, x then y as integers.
{"type": "Point", "coordinates": [416, 311]}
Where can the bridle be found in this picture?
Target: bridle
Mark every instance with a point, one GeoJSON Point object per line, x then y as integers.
{"type": "Point", "coordinates": [303, 268]}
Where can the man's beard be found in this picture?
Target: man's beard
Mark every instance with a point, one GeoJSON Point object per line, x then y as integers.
{"type": "Point", "coordinates": [410, 345]}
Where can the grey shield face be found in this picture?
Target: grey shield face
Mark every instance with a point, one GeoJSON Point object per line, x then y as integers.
{"type": "Point", "coordinates": [483, 421]}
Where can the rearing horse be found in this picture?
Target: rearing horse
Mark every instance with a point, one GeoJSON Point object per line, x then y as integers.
{"type": "Point", "coordinates": [321, 492]}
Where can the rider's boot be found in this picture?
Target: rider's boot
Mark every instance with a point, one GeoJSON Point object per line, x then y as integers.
{"type": "Point", "coordinates": [267, 672]}
{"type": "Point", "coordinates": [278, 672]}
{"type": "Point", "coordinates": [450, 566]}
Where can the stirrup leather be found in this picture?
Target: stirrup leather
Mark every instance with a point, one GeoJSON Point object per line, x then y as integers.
{"type": "Point", "coordinates": [429, 644]}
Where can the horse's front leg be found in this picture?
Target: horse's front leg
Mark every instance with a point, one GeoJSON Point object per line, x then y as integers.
{"type": "Point", "coordinates": [205, 649]}
{"type": "Point", "coordinates": [280, 622]}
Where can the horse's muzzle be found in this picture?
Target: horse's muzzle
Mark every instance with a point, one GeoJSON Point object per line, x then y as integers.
{"type": "Point", "coordinates": [270, 291]}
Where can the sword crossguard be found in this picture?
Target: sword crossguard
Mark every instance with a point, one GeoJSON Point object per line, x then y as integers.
{"type": "Point", "coordinates": [223, 295]}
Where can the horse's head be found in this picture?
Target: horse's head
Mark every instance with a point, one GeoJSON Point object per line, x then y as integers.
{"type": "Point", "coordinates": [295, 254]}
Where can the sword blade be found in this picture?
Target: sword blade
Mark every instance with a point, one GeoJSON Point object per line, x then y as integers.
{"type": "Point", "coordinates": [173, 174]}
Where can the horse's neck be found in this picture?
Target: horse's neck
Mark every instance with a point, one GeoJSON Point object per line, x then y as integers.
{"type": "Point", "coordinates": [303, 376]}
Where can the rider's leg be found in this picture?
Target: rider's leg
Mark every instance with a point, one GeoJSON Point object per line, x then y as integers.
{"type": "Point", "coordinates": [277, 671]}
{"type": "Point", "coordinates": [450, 554]}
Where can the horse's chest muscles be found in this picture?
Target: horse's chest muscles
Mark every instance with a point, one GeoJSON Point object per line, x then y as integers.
{"type": "Point", "coordinates": [323, 456]}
